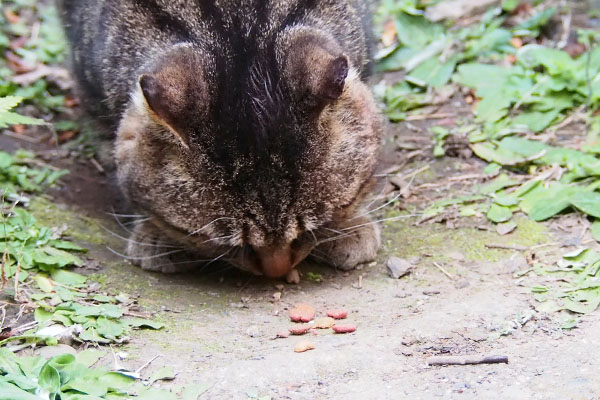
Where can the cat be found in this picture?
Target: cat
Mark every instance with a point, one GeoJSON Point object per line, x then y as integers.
{"type": "Point", "coordinates": [243, 129]}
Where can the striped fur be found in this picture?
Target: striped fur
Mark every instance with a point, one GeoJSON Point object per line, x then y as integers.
{"type": "Point", "coordinates": [248, 117]}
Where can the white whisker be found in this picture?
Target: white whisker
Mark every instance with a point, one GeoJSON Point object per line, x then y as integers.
{"type": "Point", "coordinates": [209, 224]}
{"type": "Point", "coordinates": [166, 246]}
{"type": "Point", "coordinates": [383, 220]}
{"type": "Point", "coordinates": [144, 258]}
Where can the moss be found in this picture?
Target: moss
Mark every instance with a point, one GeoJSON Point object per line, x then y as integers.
{"type": "Point", "coordinates": [80, 228]}
{"type": "Point", "coordinates": [402, 238]}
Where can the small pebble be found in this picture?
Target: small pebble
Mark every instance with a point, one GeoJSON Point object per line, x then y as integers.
{"type": "Point", "coordinates": [398, 267]}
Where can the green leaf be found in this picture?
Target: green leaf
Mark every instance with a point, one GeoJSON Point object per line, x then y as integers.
{"type": "Point", "coordinates": [49, 379]}
{"type": "Point", "coordinates": [499, 214]}
{"type": "Point", "coordinates": [192, 392]}
{"type": "Point", "coordinates": [156, 394]}
{"type": "Point", "coordinates": [433, 72]}
{"type": "Point", "coordinates": [89, 357]}
{"type": "Point", "coordinates": [8, 391]}
{"type": "Point", "coordinates": [102, 310]}
{"type": "Point", "coordinates": [416, 31]}
{"type": "Point", "coordinates": [41, 316]}
{"type": "Point", "coordinates": [587, 202]}
{"type": "Point", "coordinates": [143, 323]}
{"type": "Point", "coordinates": [116, 381]}
{"type": "Point", "coordinates": [9, 102]}
{"type": "Point", "coordinates": [91, 335]}
{"type": "Point", "coordinates": [109, 328]}
{"type": "Point", "coordinates": [68, 278]}
{"type": "Point", "coordinates": [554, 61]}
{"type": "Point", "coordinates": [44, 283]}
{"type": "Point", "coordinates": [90, 385]}
{"type": "Point", "coordinates": [595, 228]}
{"type": "Point", "coordinates": [164, 373]}
{"type": "Point", "coordinates": [545, 202]}
{"type": "Point", "coordinates": [8, 362]}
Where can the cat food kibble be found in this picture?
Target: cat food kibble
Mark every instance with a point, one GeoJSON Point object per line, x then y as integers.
{"type": "Point", "coordinates": [344, 328]}
{"type": "Point", "coordinates": [337, 314]}
{"type": "Point", "coordinates": [300, 329]}
{"type": "Point", "coordinates": [302, 313]}
{"type": "Point", "coordinates": [303, 346]}
{"type": "Point", "coordinates": [282, 335]}
{"type": "Point", "coordinates": [324, 323]}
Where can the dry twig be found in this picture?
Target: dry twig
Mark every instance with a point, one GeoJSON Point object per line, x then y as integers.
{"type": "Point", "coordinates": [443, 270]}
{"type": "Point", "coordinates": [506, 247]}
{"type": "Point", "coordinates": [466, 360]}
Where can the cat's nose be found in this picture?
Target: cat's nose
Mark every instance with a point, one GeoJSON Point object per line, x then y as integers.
{"type": "Point", "coordinates": [275, 262]}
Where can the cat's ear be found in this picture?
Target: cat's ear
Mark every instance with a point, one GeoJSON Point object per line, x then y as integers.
{"type": "Point", "coordinates": [317, 66]}
{"type": "Point", "coordinates": [174, 93]}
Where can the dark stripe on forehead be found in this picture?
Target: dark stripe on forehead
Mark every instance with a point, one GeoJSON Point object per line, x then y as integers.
{"type": "Point", "coordinates": [161, 18]}
{"type": "Point", "coordinates": [298, 12]}
{"type": "Point", "coordinates": [262, 11]}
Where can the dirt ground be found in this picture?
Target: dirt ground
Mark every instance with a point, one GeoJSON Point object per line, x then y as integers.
{"type": "Point", "coordinates": [221, 322]}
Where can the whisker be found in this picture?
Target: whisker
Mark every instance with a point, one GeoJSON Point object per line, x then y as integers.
{"type": "Point", "coordinates": [334, 238]}
{"type": "Point", "coordinates": [209, 224]}
{"type": "Point", "coordinates": [221, 256]}
{"type": "Point", "coordinates": [383, 220]}
{"type": "Point", "coordinates": [314, 237]}
{"type": "Point", "coordinates": [158, 244]}
{"type": "Point", "coordinates": [400, 194]}
{"type": "Point", "coordinates": [124, 215]}
{"type": "Point", "coordinates": [138, 221]}
{"type": "Point", "coordinates": [217, 239]}
{"type": "Point", "coordinates": [183, 262]}
{"type": "Point", "coordinates": [120, 223]}
{"type": "Point", "coordinates": [333, 230]}
{"type": "Point", "coordinates": [144, 258]}
{"type": "Point", "coordinates": [379, 195]}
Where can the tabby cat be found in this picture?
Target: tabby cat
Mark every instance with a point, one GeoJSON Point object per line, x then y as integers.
{"type": "Point", "coordinates": [243, 129]}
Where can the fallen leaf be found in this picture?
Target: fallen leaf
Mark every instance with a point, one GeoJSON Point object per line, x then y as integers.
{"type": "Point", "coordinates": [389, 34]}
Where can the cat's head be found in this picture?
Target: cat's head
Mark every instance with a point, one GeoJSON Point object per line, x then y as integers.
{"type": "Point", "coordinates": [250, 154]}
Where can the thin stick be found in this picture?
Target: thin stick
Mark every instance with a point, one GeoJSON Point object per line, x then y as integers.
{"type": "Point", "coordinates": [97, 165]}
{"type": "Point", "coordinates": [443, 270]}
{"type": "Point", "coordinates": [422, 117]}
{"type": "Point", "coordinates": [22, 137]}
{"type": "Point", "coordinates": [506, 247]}
{"type": "Point", "coordinates": [140, 369]}
{"type": "Point", "coordinates": [466, 360]}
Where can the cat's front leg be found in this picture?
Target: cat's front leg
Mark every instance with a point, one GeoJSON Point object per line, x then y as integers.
{"type": "Point", "coordinates": [151, 250]}
{"type": "Point", "coordinates": [353, 242]}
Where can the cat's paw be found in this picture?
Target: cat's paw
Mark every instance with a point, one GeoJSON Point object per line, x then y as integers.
{"type": "Point", "coordinates": [146, 250]}
{"type": "Point", "coordinates": [357, 248]}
